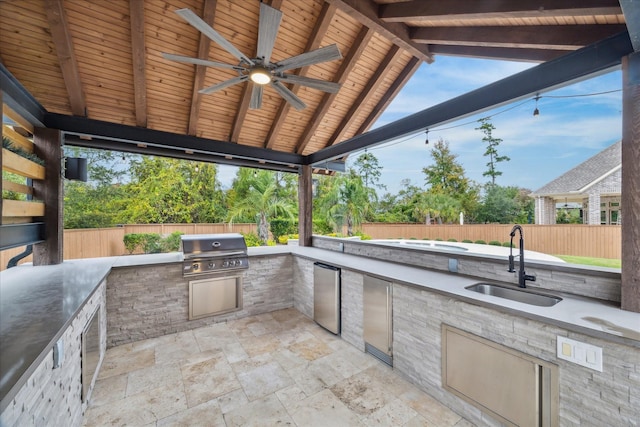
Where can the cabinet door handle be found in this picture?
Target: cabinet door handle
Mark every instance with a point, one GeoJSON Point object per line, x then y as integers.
{"type": "Point", "coordinates": [389, 319]}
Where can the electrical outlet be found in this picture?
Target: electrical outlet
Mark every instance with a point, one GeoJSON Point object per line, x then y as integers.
{"type": "Point", "coordinates": [581, 353]}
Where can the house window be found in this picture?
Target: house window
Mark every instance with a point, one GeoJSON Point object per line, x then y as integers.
{"type": "Point", "coordinates": [603, 217]}
{"type": "Point", "coordinates": [614, 217]}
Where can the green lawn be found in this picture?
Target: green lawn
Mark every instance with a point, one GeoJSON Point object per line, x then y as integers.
{"type": "Point", "coordinates": [598, 262]}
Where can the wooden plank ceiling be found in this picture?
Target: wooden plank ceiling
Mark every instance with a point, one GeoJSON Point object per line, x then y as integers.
{"type": "Point", "coordinates": [102, 59]}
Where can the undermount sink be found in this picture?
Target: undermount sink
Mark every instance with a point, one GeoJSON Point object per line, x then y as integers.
{"type": "Point", "coordinates": [513, 294]}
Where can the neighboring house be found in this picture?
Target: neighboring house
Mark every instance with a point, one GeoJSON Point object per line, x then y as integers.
{"type": "Point", "coordinates": [595, 184]}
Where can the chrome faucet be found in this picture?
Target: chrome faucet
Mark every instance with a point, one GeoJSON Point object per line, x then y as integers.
{"type": "Point", "coordinates": [522, 275]}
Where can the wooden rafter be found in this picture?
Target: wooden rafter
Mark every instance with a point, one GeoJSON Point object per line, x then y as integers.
{"type": "Point", "coordinates": [419, 10]}
{"type": "Point", "coordinates": [404, 76]}
{"type": "Point", "coordinates": [319, 31]}
{"type": "Point", "coordinates": [208, 15]}
{"type": "Point", "coordinates": [392, 56]}
{"type": "Point", "coordinates": [366, 12]}
{"type": "Point", "coordinates": [557, 37]}
{"type": "Point", "coordinates": [61, 36]}
{"type": "Point", "coordinates": [505, 53]}
{"type": "Point", "coordinates": [136, 13]}
{"type": "Point", "coordinates": [349, 61]}
{"type": "Point", "coordinates": [245, 99]}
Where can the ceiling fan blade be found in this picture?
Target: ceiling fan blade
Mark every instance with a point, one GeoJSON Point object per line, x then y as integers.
{"type": "Point", "coordinates": [223, 85]}
{"type": "Point", "coordinates": [256, 97]}
{"type": "Point", "coordinates": [288, 96]}
{"type": "Point", "coordinates": [195, 21]}
{"type": "Point", "coordinates": [198, 61]}
{"type": "Point", "coordinates": [267, 31]}
{"type": "Point", "coordinates": [327, 53]}
{"type": "Point", "coordinates": [322, 85]}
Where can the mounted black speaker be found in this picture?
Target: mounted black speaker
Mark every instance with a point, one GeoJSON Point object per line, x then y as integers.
{"type": "Point", "coordinates": [75, 168]}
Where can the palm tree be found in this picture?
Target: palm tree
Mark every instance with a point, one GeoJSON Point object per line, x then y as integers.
{"type": "Point", "coordinates": [442, 207]}
{"type": "Point", "coordinates": [345, 198]}
{"type": "Point", "coordinates": [260, 198]}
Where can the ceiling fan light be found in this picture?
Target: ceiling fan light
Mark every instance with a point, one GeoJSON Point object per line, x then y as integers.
{"type": "Point", "coordinates": [260, 76]}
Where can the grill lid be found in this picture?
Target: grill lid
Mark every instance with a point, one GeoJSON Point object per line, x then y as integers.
{"type": "Point", "coordinates": [207, 245]}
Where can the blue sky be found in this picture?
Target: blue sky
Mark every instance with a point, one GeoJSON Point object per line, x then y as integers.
{"type": "Point", "coordinates": [567, 131]}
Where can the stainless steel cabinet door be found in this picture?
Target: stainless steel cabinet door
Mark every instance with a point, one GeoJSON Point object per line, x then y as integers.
{"type": "Point", "coordinates": [377, 314]}
{"type": "Point", "coordinates": [326, 297]}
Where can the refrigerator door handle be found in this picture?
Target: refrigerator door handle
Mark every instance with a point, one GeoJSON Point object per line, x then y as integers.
{"type": "Point", "coordinates": [389, 319]}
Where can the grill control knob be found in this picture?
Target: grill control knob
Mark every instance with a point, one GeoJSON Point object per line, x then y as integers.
{"type": "Point", "coordinates": [196, 266]}
{"type": "Point", "coordinates": [225, 264]}
{"type": "Point", "coordinates": [238, 262]}
{"type": "Point", "coordinates": [212, 264]}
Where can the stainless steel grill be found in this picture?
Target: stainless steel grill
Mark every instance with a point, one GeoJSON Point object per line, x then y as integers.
{"type": "Point", "coordinates": [210, 253]}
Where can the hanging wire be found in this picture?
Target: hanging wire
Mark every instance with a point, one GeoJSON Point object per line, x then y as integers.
{"type": "Point", "coordinates": [536, 98]}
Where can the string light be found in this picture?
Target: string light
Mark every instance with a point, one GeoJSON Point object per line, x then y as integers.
{"type": "Point", "coordinates": [427, 141]}
{"type": "Point", "coordinates": [536, 112]}
{"type": "Point", "coordinates": [474, 122]}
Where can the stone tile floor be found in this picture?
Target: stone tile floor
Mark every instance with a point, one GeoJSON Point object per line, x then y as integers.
{"type": "Point", "coordinates": [271, 369]}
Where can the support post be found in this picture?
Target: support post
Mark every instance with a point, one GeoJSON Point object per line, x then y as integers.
{"type": "Point", "coordinates": [48, 146]}
{"type": "Point", "coordinates": [305, 206]}
{"type": "Point", "coordinates": [630, 203]}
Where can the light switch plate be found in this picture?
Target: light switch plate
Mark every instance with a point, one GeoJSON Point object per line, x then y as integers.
{"type": "Point", "coordinates": [581, 353]}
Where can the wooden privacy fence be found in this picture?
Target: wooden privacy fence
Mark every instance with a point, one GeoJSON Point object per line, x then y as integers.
{"type": "Point", "coordinates": [600, 241]}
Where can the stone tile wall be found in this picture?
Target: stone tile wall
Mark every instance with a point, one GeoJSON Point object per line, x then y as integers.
{"type": "Point", "coordinates": [574, 280]}
{"type": "Point", "coordinates": [587, 397]}
{"type": "Point", "coordinates": [303, 286]}
{"type": "Point", "coordinates": [150, 301]}
{"type": "Point", "coordinates": [53, 397]}
{"type": "Point", "coordinates": [352, 311]}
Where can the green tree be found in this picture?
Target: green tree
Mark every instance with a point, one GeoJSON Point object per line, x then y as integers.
{"type": "Point", "coordinates": [502, 205]}
{"type": "Point", "coordinates": [99, 201]}
{"type": "Point", "coordinates": [166, 190]}
{"type": "Point", "coordinates": [487, 128]}
{"type": "Point", "coordinates": [441, 207]}
{"type": "Point", "coordinates": [446, 175]}
{"type": "Point", "coordinates": [344, 199]}
{"type": "Point", "coordinates": [368, 167]}
{"type": "Point", "coordinates": [257, 196]}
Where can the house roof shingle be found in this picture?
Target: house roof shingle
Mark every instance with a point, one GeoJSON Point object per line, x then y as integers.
{"type": "Point", "coordinates": [585, 173]}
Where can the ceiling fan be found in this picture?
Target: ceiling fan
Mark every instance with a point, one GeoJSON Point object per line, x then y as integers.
{"type": "Point", "coordinates": [259, 70]}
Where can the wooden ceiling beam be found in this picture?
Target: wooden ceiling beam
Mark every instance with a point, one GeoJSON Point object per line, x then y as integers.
{"type": "Point", "coordinates": [557, 37]}
{"type": "Point", "coordinates": [390, 58]}
{"type": "Point", "coordinates": [245, 98]}
{"type": "Point", "coordinates": [61, 36]}
{"type": "Point", "coordinates": [348, 63]}
{"type": "Point", "coordinates": [136, 14]}
{"type": "Point", "coordinates": [319, 31]}
{"type": "Point", "coordinates": [407, 72]}
{"type": "Point", "coordinates": [418, 10]}
{"type": "Point", "coordinates": [366, 12]}
{"type": "Point", "coordinates": [502, 53]}
{"type": "Point", "coordinates": [208, 15]}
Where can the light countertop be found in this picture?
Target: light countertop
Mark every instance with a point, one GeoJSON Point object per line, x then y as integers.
{"type": "Point", "coordinates": [38, 303]}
